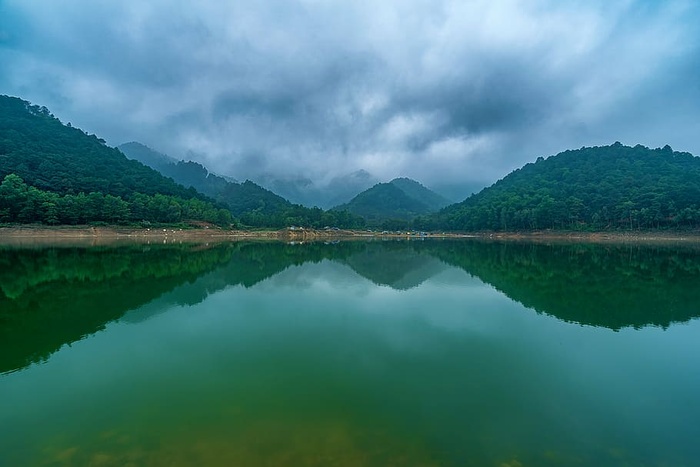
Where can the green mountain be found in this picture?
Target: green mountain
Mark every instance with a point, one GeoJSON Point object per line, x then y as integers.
{"type": "Point", "coordinates": [598, 188]}
{"type": "Point", "coordinates": [250, 202]}
{"type": "Point", "coordinates": [147, 156]}
{"type": "Point", "coordinates": [239, 197]}
{"type": "Point", "coordinates": [401, 199]}
{"type": "Point", "coordinates": [302, 190]}
{"type": "Point", "coordinates": [420, 193]}
{"type": "Point", "coordinates": [56, 174]}
{"type": "Point", "coordinates": [186, 173]}
{"type": "Point", "coordinates": [55, 157]}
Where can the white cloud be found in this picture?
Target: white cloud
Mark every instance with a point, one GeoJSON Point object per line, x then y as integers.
{"type": "Point", "coordinates": [431, 89]}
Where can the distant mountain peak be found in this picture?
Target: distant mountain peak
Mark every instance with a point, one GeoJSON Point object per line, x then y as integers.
{"type": "Point", "coordinates": [301, 189]}
{"type": "Point", "coordinates": [420, 192]}
{"type": "Point", "coordinates": [361, 173]}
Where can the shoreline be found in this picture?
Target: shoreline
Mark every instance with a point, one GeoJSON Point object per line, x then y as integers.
{"type": "Point", "coordinates": [28, 235]}
{"type": "Point", "coordinates": [595, 237]}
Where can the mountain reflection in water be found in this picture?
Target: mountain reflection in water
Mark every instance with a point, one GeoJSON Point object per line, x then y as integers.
{"type": "Point", "coordinates": [55, 296]}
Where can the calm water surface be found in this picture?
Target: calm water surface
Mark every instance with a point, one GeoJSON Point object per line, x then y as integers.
{"type": "Point", "coordinates": [380, 353]}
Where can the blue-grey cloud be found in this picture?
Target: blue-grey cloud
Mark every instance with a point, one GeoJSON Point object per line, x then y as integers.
{"type": "Point", "coordinates": [446, 91]}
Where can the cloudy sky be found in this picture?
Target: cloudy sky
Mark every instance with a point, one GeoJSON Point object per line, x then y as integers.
{"type": "Point", "coordinates": [443, 91]}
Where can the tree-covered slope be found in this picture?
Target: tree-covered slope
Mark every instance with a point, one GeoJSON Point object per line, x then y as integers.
{"type": "Point", "coordinates": [420, 193]}
{"type": "Point", "coordinates": [187, 173]}
{"type": "Point", "coordinates": [248, 197]}
{"type": "Point", "coordinates": [55, 174]}
{"type": "Point", "coordinates": [147, 156]}
{"type": "Point", "coordinates": [58, 158]}
{"type": "Point", "coordinates": [402, 199]}
{"type": "Point", "coordinates": [253, 204]}
{"type": "Point", "coordinates": [239, 197]}
{"type": "Point", "coordinates": [596, 188]}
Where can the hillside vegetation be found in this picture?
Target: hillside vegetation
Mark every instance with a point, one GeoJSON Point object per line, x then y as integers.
{"type": "Point", "coordinates": [248, 201]}
{"type": "Point", "coordinates": [401, 199]}
{"type": "Point", "coordinates": [598, 188]}
{"type": "Point", "coordinates": [420, 193]}
{"type": "Point", "coordinates": [55, 157]}
{"type": "Point", "coordinates": [53, 173]}
{"type": "Point", "coordinates": [186, 173]}
{"type": "Point", "coordinates": [56, 174]}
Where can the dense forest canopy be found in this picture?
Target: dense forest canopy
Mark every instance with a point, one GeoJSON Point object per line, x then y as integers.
{"type": "Point", "coordinates": [395, 203]}
{"type": "Point", "coordinates": [55, 157]}
{"type": "Point", "coordinates": [417, 191]}
{"type": "Point", "coordinates": [55, 174]}
{"type": "Point", "coordinates": [23, 203]}
{"type": "Point", "coordinates": [598, 188]}
{"type": "Point", "coordinates": [52, 173]}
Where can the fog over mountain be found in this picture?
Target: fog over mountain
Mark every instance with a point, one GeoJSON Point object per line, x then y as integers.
{"type": "Point", "coordinates": [454, 94]}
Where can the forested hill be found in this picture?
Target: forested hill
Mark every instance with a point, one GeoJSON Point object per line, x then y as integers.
{"type": "Point", "coordinates": [400, 199]}
{"type": "Point", "coordinates": [239, 197]}
{"type": "Point", "coordinates": [146, 155]}
{"type": "Point", "coordinates": [56, 174]}
{"type": "Point", "coordinates": [55, 157]}
{"type": "Point", "coordinates": [250, 202]}
{"type": "Point", "coordinates": [186, 173]}
{"type": "Point", "coordinates": [419, 192]}
{"type": "Point", "coordinates": [598, 188]}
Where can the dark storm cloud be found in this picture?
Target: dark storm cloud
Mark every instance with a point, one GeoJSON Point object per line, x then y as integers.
{"type": "Point", "coordinates": [507, 96]}
{"type": "Point", "coordinates": [442, 91]}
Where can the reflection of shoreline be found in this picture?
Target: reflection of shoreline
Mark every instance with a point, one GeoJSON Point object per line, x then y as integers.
{"type": "Point", "coordinates": [27, 236]}
{"type": "Point", "coordinates": [612, 286]}
{"type": "Point", "coordinates": [58, 295]}
{"type": "Point", "coordinates": [690, 238]}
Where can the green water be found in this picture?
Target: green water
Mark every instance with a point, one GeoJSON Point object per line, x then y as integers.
{"type": "Point", "coordinates": [453, 353]}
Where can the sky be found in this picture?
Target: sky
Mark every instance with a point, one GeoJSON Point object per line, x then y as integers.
{"type": "Point", "coordinates": [446, 92]}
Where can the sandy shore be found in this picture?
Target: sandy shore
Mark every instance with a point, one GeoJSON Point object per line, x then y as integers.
{"type": "Point", "coordinates": [86, 235]}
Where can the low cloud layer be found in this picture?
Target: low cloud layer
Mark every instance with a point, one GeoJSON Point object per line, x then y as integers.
{"type": "Point", "coordinates": [447, 92]}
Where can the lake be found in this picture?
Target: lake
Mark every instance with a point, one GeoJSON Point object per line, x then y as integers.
{"type": "Point", "coordinates": [429, 353]}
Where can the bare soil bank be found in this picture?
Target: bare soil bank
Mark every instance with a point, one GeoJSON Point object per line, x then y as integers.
{"type": "Point", "coordinates": [86, 235]}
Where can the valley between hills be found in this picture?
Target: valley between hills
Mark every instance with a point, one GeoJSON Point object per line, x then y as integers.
{"type": "Point", "coordinates": [56, 175]}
